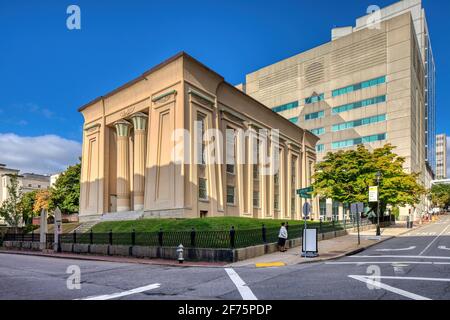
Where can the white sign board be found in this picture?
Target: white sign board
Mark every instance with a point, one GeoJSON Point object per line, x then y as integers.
{"type": "Point", "coordinates": [310, 237]}
{"type": "Point", "coordinates": [373, 194]}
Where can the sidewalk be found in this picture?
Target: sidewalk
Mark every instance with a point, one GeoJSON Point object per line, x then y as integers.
{"type": "Point", "coordinates": [328, 249]}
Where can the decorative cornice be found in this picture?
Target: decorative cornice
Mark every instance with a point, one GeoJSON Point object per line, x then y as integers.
{"type": "Point", "coordinates": [127, 112]}
{"type": "Point", "coordinates": [165, 96]}
{"type": "Point", "coordinates": [202, 96]}
{"type": "Point", "coordinates": [92, 127]}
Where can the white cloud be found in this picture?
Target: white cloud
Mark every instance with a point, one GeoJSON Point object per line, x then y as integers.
{"type": "Point", "coordinates": [43, 154]}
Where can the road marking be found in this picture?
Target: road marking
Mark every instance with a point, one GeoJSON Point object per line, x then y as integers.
{"type": "Point", "coordinates": [245, 292]}
{"type": "Point", "coordinates": [404, 249]}
{"type": "Point", "coordinates": [270, 264]}
{"type": "Point", "coordinates": [410, 278]}
{"type": "Point", "coordinates": [124, 293]}
{"type": "Point", "coordinates": [443, 248]}
{"type": "Point", "coordinates": [429, 245]}
{"type": "Point", "coordinates": [402, 257]}
{"type": "Point", "coordinates": [369, 280]}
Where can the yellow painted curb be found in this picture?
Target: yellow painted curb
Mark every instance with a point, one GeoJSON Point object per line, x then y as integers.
{"type": "Point", "coordinates": [270, 264]}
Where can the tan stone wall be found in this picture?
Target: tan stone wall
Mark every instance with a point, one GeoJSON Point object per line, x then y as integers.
{"type": "Point", "coordinates": [172, 96]}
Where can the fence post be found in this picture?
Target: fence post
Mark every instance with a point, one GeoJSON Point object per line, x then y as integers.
{"type": "Point", "coordinates": [110, 237]}
{"type": "Point", "coordinates": [160, 237]}
{"type": "Point", "coordinates": [75, 237]}
{"type": "Point", "coordinates": [91, 237]}
{"type": "Point", "coordinates": [320, 228]}
{"type": "Point", "coordinates": [232, 237]}
{"type": "Point", "coordinates": [193, 238]}
{"type": "Point", "coordinates": [133, 238]}
{"type": "Point", "coordinates": [264, 234]}
{"type": "Point", "coordinates": [334, 227]}
{"type": "Point", "coordinates": [32, 235]}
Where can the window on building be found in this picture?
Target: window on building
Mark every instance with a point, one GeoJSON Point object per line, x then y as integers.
{"type": "Point", "coordinates": [202, 189]}
{"type": "Point", "coordinates": [336, 206]}
{"type": "Point", "coordinates": [357, 141]}
{"type": "Point", "coordinates": [276, 202]}
{"type": "Point", "coordinates": [256, 163]}
{"type": "Point", "coordinates": [285, 107]}
{"type": "Point", "coordinates": [315, 115]}
{"type": "Point", "coordinates": [323, 207]}
{"type": "Point", "coordinates": [231, 149]}
{"type": "Point", "coordinates": [201, 119]}
{"type": "Point", "coordinates": [294, 171]}
{"type": "Point", "coordinates": [359, 86]}
{"type": "Point", "coordinates": [359, 123]}
{"type": "Point", "coordinates": [314, 99]}
{"type": "Point", "coordinates": [319, 131]}
{"type": "Point", "coordinates": [256, 199]}
{"type": "Point", "coordinates": [359, 104]}
{"type": "Point", "coordinates": [230, 195]}
{"type": "Point", "coordinates": [294, 120]}
{"type": "Point", "coordinates": [293, 203]}
{"type": "Point", "coordinates": [320, 148]}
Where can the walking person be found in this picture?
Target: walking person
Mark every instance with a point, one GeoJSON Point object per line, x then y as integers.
{"type": "Point", "coordinates": [282, 237]}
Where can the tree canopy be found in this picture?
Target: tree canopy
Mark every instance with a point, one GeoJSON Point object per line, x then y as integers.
{"type": "Point", "coordinates": [345, 176]}
{"type": "Point", "coordinates": [65, 194]}
{"type": "Point", "coordinates": [10, 210]}
{"type": "Point", "coordinates": [440, 195]}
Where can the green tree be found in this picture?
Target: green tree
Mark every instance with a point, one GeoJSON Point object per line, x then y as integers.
{"type": "Point", "coordinates": [26, 205]}
{"type": "Point", "coordinates": [65, 194]}
{"type": "Point", "coordinates": [10, 210]}
{"type": "Point", "coordinates": [346, 176]}
{"type": "Point", "coordinates": [440, 195]}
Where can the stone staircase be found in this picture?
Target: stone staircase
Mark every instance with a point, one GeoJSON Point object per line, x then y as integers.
{"type": "Point", "coordinates": [85, 227]}
{"type": "Point", "coordinates": [123, 216]}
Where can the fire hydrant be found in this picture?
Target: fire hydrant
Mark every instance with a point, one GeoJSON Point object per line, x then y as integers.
{"type": "Point", "coordinates": [180, 251]}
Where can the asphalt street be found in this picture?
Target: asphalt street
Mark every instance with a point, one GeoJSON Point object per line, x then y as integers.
{"type": "Point", "coordinates": [415, 266]}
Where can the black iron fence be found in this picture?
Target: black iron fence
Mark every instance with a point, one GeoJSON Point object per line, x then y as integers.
{"type": "Point", "coordinates": [232, 238]}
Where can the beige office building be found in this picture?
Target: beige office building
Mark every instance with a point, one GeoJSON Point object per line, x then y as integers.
{"type": "Point", "coordinates": [371, 84]}
{"type": "Point", "coordinates": [130, 168]}
{"type": "Point", "coordinates": [441, 157]}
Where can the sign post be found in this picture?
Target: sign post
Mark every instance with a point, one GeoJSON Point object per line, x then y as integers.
{"type": "Point", "coordinates": [357, 209]}
{"type": "Point", "coordinates": [309, 239]}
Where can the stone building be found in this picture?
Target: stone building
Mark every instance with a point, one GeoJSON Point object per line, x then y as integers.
{"type": "Point", "coordinates": [130, 165]}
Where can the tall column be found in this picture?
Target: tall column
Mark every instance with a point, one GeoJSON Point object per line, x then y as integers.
{"type": "Point", "coordinates": [123, 166]}
{"type": "Point", "coordinates": [139, 124]}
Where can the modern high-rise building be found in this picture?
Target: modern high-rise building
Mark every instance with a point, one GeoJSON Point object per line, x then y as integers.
{"type": "Point", "coordinates": [371, 84]}
{"type": "Point", "coordinates": [441, 157]}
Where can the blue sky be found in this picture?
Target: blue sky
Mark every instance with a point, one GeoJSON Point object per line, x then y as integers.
{"type": "Point", "coordinates": [48, 71]}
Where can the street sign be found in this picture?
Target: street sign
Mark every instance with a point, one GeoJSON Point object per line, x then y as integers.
{"type": "Point", "coordinates": [373, 194]}
{"type": "Point", "coordinates": [306, 209]}
{"type": "Point", "coordinates": [305, 193]}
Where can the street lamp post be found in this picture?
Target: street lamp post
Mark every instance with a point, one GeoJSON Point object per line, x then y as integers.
{"type": "Point", "coordinates": [378, 175]}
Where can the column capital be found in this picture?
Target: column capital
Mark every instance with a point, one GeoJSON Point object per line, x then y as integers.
{"type": "Point", "coordinates": [122, 128]}
{"type": "Point", "coordinates": [139, 121]}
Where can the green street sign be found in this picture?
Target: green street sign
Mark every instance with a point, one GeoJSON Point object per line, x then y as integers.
{"type": "Point", "coordinates": [305, 193]}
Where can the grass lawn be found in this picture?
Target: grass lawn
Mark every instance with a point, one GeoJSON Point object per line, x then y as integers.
{"type": "Point", "coordinates": [205, 224]}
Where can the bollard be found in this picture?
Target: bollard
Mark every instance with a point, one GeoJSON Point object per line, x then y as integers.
{"type": "Point", "coordinates": [232, 237]}
{"type": "Point", "coordinates": [264, 234]}
{"type": "Point", "coordinates": [193, 238]}
{"type": "Point", "coordinates": [180, 251]}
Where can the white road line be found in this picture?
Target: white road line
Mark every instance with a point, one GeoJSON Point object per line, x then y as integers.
{"type": "Point", "coordinates": [400, 257]}
{"type": "Point", "coordinates": [404, 249]}
{"type": "Point", "coordinates": [378, 284]}
{"type": "Point", "coordinates": [245, 292]}
{"type": "Point", "coordinates": [429, 245]}
{"type": "Point", "coordinates": [443, 248]}
{"type": "Point", "coordinates": [124, 293]}
{"type": "Point", "coordinates": [410, 278]}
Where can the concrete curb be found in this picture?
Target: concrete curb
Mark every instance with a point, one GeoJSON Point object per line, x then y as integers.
{"type": "Point", "coordinates": [86, 257]}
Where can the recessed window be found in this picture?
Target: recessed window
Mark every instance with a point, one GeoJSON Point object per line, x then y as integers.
{"type": "Point", "coordinates": [357, 141]}
{"type": "Point", "coordinates": [319, 131]}
{"type": "Point", "coordinates": [359, 86]}
{"type": "Point", "coordinates": [359, 123]}
{"type": "Point", "coordinates": [256, 199]}
{"type": "Point", "coordinates": [202, 189]}
{"type": "Point", "coordinates": [230, 195]}
{"type": "Point", "coordinates": [285, 107]}
{"type": "Point", "coordinates": [359, 104]}
{"type": "Point", "coordinates": [315, 99]}
{"type": "Point", "coordinates": [276, 202]}
{"type": "Point", "coordinates": [320, 148]}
